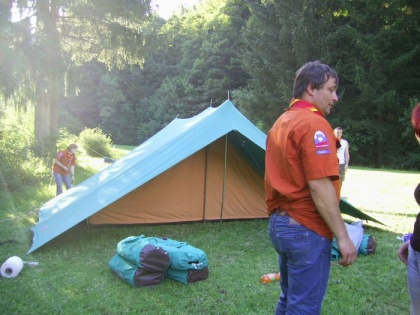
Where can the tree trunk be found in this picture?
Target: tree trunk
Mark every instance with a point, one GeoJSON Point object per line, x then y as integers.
{"type": "Point", "coordinates": [46, 111]}
{"type": "Point", "coordinates": [49, 73]}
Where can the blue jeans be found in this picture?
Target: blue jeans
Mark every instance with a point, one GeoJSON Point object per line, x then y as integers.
{"type": "Point", "coordinates": [305, 262]}
{"type": "Point", "coordinates": [59, 180]}
{"type": "Point", "coordinates": [414, 280]}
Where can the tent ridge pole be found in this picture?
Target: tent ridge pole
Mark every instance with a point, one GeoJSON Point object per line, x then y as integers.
{"type": "Point", "coordinates": [206, 166]}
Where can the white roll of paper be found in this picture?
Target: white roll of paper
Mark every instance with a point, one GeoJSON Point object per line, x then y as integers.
{"type": "Point", "coordinates": [11, 267]}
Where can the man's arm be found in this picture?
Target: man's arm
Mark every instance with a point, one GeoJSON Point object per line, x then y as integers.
{"type": "Point", "coordinates": [72, 173]}
{"type": "Point", "coordinates": [56, 161]}
{"type": "Point", "coordinates": [347, 156]}
{"type": "Point", "coordinates": [325, 199]}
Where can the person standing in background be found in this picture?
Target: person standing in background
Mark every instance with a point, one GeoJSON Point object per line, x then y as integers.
{"type": "Point", "coordinates": [63, 168]}
{"type": "Point", "coordinates": [302, 188]}
{"type": "Point", "coordinates": [343, 153]}
{"type": "Point", "coordinates": [409, 252]}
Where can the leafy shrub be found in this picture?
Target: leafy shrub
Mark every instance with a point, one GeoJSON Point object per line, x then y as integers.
{"type": "Point", "coordinates": [19, 165]}
{"type": "Point", "coordinates": [95, 142]}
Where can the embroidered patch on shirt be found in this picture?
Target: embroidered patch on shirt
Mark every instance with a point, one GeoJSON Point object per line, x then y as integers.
{"type": "Point", "coordinates": [322, 152]}
{"type": "Point", "coordinates": [320, 139]}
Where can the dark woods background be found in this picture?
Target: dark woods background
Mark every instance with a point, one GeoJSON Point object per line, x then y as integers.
{"type": "Point", "coordinates": [118, 66]}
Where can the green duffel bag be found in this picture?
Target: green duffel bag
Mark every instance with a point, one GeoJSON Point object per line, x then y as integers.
{"type": "Point", "coordinates": [187, 276]}
{"type": "Point", "coordinates": [143, 253]}
{"type": "Point", "coordinates": [133, 274]}
{"type": "Point", "coordinates": [183, 255]}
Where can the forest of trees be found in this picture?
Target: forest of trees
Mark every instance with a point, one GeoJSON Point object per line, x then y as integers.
{"type": "Point", "coordinates": [118, 66]}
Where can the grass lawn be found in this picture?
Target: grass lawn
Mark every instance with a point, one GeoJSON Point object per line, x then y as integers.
{"type": "Point", "coordinates": [73, 276]}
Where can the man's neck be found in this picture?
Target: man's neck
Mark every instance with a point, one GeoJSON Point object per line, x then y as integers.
{"type": "Point", "coordinates": [300, 103]}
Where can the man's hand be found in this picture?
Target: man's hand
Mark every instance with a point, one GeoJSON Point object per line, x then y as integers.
{"type": "Point", "coordinates": [72, 179]}
{"type": "Point", "coordinates": [403, 252]}
{"type": "Point", "coordinates": [348, 252]}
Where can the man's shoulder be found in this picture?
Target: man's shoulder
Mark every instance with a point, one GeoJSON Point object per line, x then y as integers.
{"type": "Point", "coordinates": [312, 121]}
{"type": "Point", "coordinates": [302, 122]}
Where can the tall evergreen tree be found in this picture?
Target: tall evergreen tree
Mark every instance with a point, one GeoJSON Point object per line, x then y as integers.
{"type": "Point", "coordinates": [59, 32]}
{"type": "Point", "coordinates": [378, 58]}
{"type": "Point", "coordinates": [373, 45]}
{"type": "Point", "coordinates": [280, 36]}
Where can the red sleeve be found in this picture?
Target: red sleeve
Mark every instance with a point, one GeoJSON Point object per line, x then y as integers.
{"type": "Point", "coordinates": [59, 155]}
{"type": "Point", "coordinates": [319, 151]}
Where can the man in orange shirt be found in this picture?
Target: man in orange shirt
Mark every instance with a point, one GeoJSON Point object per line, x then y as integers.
{"type": "Point", "coordinates": [302, 192]}
{"type": "Point", "coordinates": [63, 167]}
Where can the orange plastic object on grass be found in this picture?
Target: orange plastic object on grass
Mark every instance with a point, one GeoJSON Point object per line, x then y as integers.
{"type": "Point", "coordinates": [270, 277]}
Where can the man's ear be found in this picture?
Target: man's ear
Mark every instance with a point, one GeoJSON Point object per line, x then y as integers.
{"type": "Point", "coordinates": [310, 90]}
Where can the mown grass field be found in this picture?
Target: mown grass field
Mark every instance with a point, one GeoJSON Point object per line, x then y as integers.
{"type": "Point", "coordinates": [73, 276]}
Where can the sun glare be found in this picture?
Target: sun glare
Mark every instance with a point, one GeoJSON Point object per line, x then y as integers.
{"type": "Point", "coordinates": [165, 8]}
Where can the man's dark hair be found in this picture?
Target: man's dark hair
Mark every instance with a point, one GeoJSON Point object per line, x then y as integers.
{"type": "Point", "coordinates": [314, 73]}
{"type": "Point", "coordinates": [417, 194]}
{"type": "Point", "coordinates": [72, 146]}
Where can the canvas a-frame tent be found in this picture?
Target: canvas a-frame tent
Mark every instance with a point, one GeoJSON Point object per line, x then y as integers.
{"type": "Point", "coordinates": [208, 167]}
